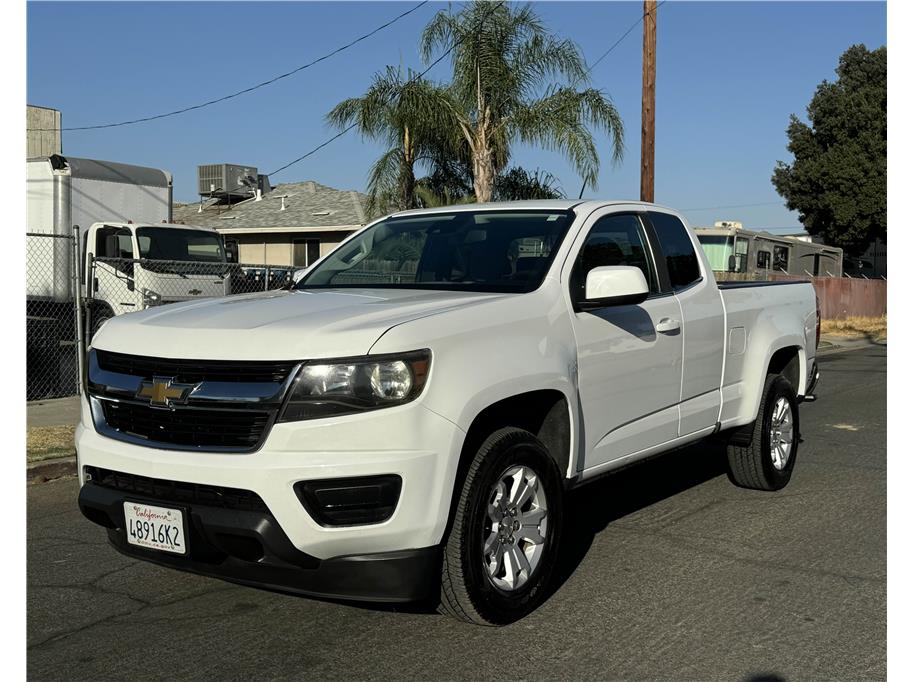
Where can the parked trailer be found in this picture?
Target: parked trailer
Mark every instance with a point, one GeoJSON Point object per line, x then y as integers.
{"type": "Point", "coordinates": [757, 254]}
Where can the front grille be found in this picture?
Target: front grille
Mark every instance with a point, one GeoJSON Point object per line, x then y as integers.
{"type": "Point", "coordinates": [178, 492]}
{"type": "Point", "coordinates": [193, 428]}
{"type": "Point", "coordinates": [195, 371]}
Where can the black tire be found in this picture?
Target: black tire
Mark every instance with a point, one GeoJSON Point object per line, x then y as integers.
{"type": "Point", "coordinates": [752, 466]}
{"type": "Point", "coordinates": [467, 592]}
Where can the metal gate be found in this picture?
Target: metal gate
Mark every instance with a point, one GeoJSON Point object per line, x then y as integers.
{"type": "Point", "coordinates": [52, 319]}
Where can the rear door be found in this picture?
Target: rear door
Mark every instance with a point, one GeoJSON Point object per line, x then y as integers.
{"type": "Point", "coordinates": [703, 322]}
{"type": "Point", "coordinates": [629, 356]}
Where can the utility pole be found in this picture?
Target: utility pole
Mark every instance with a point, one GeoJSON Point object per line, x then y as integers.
{"type": "Point", "coordinates": [647, 143]}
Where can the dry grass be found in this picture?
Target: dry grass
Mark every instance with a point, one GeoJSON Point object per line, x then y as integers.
{"type": "Point", "coordinates": [872, 327]}
{"type": "Point", "coordinates": [47, 442]}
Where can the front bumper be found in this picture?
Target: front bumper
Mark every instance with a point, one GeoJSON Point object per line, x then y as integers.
{"type": "Point", "coordinates": [376, 561]}
{"type": "Point", "coordinates": [250, 547]}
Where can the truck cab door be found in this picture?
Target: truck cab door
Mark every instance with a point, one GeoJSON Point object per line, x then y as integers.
{"type": "Point", "coordinates": [628, 356]}
{"type": "Point", "coordinates": [114, 269]}
{"type": "Point", "coordinates": [703, 318]}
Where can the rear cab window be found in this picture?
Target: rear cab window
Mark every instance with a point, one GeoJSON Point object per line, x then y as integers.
{"type": "Point", "coordinates": [678, 249]}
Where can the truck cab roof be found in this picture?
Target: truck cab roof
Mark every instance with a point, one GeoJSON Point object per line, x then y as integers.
{"type": "Point", "coordinates": [175, 226]}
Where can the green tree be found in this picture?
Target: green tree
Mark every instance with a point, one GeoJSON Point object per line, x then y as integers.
{"type": "Point", "coordinates": [404, 114]}
{"type": "Point", "coordinates": [513, 81]}
{"type": "Point", "coordinates": [838, 179]}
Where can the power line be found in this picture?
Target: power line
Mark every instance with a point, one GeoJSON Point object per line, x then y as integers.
{"type": "Point", "coordinates": [621, 39]}
{"type": "Point", "coordinates": [245, 90]}
{"type": "Point", "coordinates": [408, 82]}
{"type": "Point", "coordinates": [714, 208]}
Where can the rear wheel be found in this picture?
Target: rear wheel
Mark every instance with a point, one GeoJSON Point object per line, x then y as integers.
{"type": "Point", "coordinates": [501, 551]}
{"type": "Point", "coordinates": [767, 463]}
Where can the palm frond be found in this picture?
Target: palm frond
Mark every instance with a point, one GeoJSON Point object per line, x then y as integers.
{"type": "Point", "coordinates": [383, 183]}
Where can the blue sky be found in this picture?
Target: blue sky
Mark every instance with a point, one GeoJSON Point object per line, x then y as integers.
{"type": "Point", "coordinates": [728, 76]}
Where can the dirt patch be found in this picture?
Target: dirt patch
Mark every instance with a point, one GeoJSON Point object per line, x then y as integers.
{"type": "Point", "coordinates": [48, 442]}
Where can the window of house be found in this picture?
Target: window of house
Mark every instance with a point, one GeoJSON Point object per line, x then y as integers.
{"type": "Point", "coordinates": [741, 246]}
{"type": "Point", "coordinates": [763, 260]}
{"type": "Point", "coordinates": [781, 258]}
{"type": "Point", "coordinates": [306, 252]}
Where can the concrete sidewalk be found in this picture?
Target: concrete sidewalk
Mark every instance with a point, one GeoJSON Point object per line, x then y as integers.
{"type": "Point", "coordinates": [55, 412]}
{"type": "Point", "coordinates": [830, 343]}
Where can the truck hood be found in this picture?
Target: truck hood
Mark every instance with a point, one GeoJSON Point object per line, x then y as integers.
{"type": "Point", "coordinates": [276, 325]}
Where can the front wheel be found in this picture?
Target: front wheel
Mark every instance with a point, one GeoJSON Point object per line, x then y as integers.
{"type": "Point", "coordinates": [767, 463]}
{"type": "Point", "coordinates": [503, 545]}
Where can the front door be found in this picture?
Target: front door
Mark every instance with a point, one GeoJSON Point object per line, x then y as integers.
{"type": "Point", "coordinates": [114, 270]}
{"type": "Point", "coordinates": [629, 356]}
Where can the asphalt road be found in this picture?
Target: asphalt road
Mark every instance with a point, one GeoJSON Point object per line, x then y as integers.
{"type": "Point", "coordinates": [670, 572]}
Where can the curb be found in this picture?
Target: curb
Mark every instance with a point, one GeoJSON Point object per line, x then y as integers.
{"type": "Point", "coordinates": [48, 470]}
{"type": "Point", "coordinates": [829, 347]}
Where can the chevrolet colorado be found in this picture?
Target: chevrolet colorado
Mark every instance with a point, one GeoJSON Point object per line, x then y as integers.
{"type": "Point", "coordinates": [406, 421]}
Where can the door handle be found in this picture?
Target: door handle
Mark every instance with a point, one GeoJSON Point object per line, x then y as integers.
{"type": "Point", "coordinates": [667, 325]}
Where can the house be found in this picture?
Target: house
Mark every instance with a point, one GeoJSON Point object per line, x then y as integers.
{"type": "Point", "coordinates": [290, 224]}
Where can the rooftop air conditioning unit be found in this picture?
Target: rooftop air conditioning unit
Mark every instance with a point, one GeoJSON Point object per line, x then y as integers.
{"type": "Point", "coordinates": [223, 179]}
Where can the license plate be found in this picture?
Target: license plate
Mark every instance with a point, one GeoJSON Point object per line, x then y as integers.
{"type": "Point", "coordinates": [154, 527]}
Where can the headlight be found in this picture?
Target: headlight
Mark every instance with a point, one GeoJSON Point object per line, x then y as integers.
{"type": "Point", "coordinates": [334, 387]}
{"type": "Point", "coordinates": [151, 298]}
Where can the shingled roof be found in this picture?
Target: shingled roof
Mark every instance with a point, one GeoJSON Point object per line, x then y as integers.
{"type": "Point", "coordinates": [308, 205]}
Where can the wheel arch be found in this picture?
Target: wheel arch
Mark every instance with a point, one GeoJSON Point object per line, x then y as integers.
{"type": "Point", "coordinates": [787, 359]}
{"type": "Point", "coordinates": [545, 413]}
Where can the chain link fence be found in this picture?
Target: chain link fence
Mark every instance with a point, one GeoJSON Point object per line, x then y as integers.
{"type": "Point", "coordinates": [114, 286]}
{"type": "Point", "coordinates": [50, 316]}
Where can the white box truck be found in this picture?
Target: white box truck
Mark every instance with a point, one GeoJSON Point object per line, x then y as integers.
{"type": "Point", "coordinates": [124, 214]}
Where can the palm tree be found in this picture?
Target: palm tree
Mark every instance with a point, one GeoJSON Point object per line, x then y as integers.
{"type": "Point", "coordinates": [406, 116]}
{"type": "Point", "coordinates": [517, 183]}
{"type": "Point", "coordinates": [505, 65]}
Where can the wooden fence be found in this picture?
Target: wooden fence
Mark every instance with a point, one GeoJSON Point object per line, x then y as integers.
{"type": "Point", "coordinates": [840, 297]}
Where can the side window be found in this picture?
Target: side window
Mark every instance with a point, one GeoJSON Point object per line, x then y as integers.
{"type": "Point", "coordinates": [781, 258]}
{"type": "Point", "coordinates": [763, 260]}
{"type": "Point", "coordinates": [740, 254]}
{"type": "Point", "coordinates": [613, 240]}
{"type": "Point", "coordinates": [117, 244]}
{"type": "Point", "coordinates": [121, 246]}
{"type": "Point", "coordinates": [683, 266]}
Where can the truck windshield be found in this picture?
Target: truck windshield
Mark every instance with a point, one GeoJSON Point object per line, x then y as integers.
{"type": "Point", "coordinates": [169, 243]}
{"type": "Point", "coordinates": [496, 251]}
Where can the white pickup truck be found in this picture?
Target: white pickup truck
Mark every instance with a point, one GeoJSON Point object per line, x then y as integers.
{"type": "Point", "coordinates": [406, 422]}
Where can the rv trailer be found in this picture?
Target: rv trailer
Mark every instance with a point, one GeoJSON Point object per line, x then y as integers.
{"type": "Point", "coordinates": [754, 255]}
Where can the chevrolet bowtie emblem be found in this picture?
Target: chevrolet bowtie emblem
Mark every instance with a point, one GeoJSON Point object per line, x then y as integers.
{"type": "Point", "coordinates": [163, 392]}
